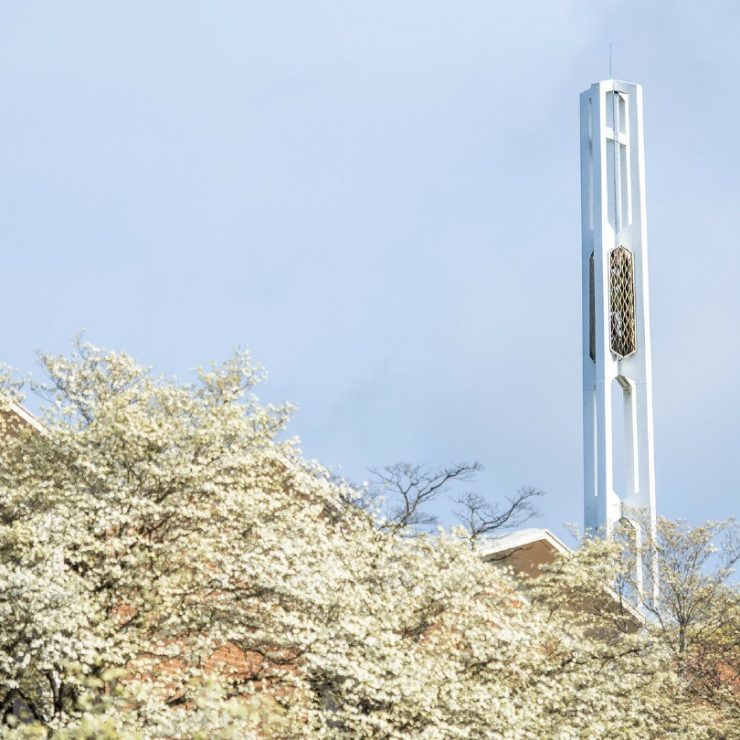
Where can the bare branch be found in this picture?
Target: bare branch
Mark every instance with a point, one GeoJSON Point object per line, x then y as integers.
{"type": "Point", "coordinates": [411, 486]}
{"type": "Point", "coordinates": [481, 518]}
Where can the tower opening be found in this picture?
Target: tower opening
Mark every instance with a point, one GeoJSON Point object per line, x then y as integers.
{"type": "Point", "coordinates": [623, 335]}
{"type": "Point", "coordinates": [591, 309]}
{"type": "Point", "coordinates": [619, 435]}
{"type": "Point", "coordinates": [630, 579]}
{"type": "Point", "coordinates": [623, 439]}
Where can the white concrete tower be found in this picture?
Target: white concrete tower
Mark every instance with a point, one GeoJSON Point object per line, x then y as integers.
{"type": "Point", "coordinates": [619, 476]}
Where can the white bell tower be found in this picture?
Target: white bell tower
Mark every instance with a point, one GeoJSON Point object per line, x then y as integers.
{"type": "Point", "coordinates": [619, 476]}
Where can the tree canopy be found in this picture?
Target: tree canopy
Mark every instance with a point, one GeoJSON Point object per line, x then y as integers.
{"type": "Point", "coordinates": [171, 566]}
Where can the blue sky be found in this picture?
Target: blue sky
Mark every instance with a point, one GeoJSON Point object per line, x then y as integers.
{"type": "Point", "coordinates": [381, 201]}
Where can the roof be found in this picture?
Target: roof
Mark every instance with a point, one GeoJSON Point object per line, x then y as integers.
{"type": "Point", "coordinates": [525, 550]}
{"type": "Point", "coordinates": [523, 538]}
{"type": "Point", "coordinates": [24, 415]}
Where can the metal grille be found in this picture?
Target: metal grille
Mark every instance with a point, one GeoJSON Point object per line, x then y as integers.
{"type": "Point", "coordinates": [622, 294]}
{"type": "Point", "coordinates": [591, 309]}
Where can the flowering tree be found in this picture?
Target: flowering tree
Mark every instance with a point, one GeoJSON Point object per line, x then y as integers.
{"type": "Point", "coordinates": [170, 565]}
{"type": "Point", "coordinates": [697, 611]}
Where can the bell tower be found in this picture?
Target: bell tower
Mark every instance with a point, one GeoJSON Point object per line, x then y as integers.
{"type": "Point", "coordinates": [619, 476]}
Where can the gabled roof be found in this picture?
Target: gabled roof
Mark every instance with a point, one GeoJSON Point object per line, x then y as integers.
{"type": "Point", "coordinates": [522, 538]}
{"type": "Point", "coordinates": [525, 550]}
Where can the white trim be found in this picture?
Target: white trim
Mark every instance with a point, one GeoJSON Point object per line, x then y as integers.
{"type": "Point", "coordinates": [26, 416]}
{"type": "Point", "coordinates": [523, 538]}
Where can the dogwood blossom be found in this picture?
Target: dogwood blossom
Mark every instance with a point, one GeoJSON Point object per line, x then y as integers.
{"type": "Point", "coordinates": [171, 566]}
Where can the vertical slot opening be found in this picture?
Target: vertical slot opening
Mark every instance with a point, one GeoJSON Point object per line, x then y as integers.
{"type": "Point", "coordinates": [591, 309]}
{"type": "Point", "coordinates": [619, 437]}
{"type": "Point", "coordinates": [625, 215]}
{"type": "Point", "coordinates": [595, 446]}
{"type": "Point", "coordinates": [630, 580]}
{"type": "Point", "coordinates": [610, 110]}
{"type": "Point", "coordinates": [622, 114]}
{"type": "Point", "coordinates": [590, 165]}
{"type": "Point", "coordinates": [611, 175]}
{"type": "Point", "coordinates": [624, 460]}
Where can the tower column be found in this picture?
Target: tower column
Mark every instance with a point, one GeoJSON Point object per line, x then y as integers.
{"type": "Point", "coordinates": [619, 478]}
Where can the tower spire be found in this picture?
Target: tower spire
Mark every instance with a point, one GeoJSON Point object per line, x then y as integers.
{"type": "Point", "coordinates": [619, 476]}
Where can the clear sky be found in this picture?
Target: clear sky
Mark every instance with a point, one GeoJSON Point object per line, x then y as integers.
{"type": "Point", "coordinates": [380, 199]}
